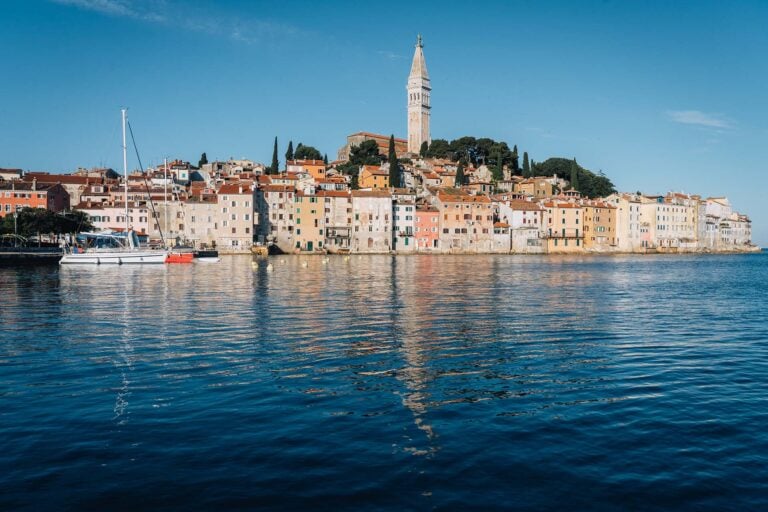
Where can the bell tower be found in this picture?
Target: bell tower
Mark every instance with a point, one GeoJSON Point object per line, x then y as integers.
{"type": "Point", "coordinates": [419, 90]}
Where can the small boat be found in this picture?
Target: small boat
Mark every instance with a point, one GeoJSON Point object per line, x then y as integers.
{"type": "Point", "coordinates": [179, 257]}
{"type": "Point", "coordinates": [207, 256]}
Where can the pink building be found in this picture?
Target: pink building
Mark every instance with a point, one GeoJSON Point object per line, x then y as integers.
{"type": "Point", "coordinates": [427, 230]}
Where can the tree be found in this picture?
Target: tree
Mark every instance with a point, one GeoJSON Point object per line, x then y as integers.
{"type": "Point", "coordinates": [574, 175]}
{"type": "Point", "coordinates": [515, 165]}
{"type": "Point", "coordinates": [367, 153]}
{"type": "Point", "coordinates": [590, 184]}
{"type": "Point", "coordinates": [203, 161]}
{"type": "Point", "coordinates": [325, 159]}
{"type": "Point", "coordinates": [37, 221]}
{"type": "Point", "coordinates": [394, 168]}
{"type": "Point", "coordinates": [306, 153]}
{"type": "Point", "coordinates": [526, 165]}
{"type": "Point", "coordinates": [423, 150]}
{"type": "Point", "coordinates": [289, 153]}
{"type": "Point", "coordinates": [497, 171]}
{"type": "Point", "coordinates": [438, 149]}
{"type": "Point", "coordinates": [275, 167]}
{"type": "Point", "coordinates": [459, 175]}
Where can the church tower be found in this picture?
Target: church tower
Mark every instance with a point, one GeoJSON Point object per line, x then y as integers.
{"type": "Point", "coordinates": [418, 100]}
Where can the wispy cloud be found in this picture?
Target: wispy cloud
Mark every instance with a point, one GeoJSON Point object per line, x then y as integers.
{"type": "Point", "coordinates": [699, 118]}
{"type": "Point", "coordinates": [170, 14]}
{"type": "Point", "coordinates": [390, 55]}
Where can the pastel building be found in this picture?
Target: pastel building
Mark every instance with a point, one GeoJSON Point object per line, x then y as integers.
{"type": "Point", "coordinates": [466, 221]}
{"type": "Point", "coordinates": [427, 228]}
{"type": "Point", "coordinates": [599, 226]}
{"type": "Point", "coordinates": [372, 221]}
{"type": "Point", "coordinates": [564, 226]}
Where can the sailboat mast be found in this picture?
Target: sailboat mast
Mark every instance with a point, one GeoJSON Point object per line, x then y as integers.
{"type": "Point", "coordinates": [125, 174]}
{"type": "Point", "coordinates": [165, 194]}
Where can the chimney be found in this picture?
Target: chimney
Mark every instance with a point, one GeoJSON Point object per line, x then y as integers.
{"type": "Point", "coordinates": [34, 183]}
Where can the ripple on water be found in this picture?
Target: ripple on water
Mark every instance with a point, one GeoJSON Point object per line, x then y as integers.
{"type": "Point", "coordinates": [414, 382]}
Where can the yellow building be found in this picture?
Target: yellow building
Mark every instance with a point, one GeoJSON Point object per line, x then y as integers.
{"type": "Point", "coordinates": [537, 187]}
{"type": "Point", "coordinates": [563, 226]}
{"type": "Point", "coordinates": [373, 177]}
{"type": "Point", "coordinates": [316, 168]}
{"type": "Point", "coordinates": [309, 216]}
{"type": "Point", "coordinates": [599, 226]}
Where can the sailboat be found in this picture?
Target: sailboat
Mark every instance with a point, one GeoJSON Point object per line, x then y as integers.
{"type": "Point", "coordinates": [113, 248]}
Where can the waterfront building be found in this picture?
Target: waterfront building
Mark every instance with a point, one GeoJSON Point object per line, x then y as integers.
{"type": "Point", "coordinates": [309, 222]}
{"type": "Point", "coordinates": [564, 226]}
{"type": "Point", "coordinates": [404, 221]}
{"type": "Point", "coordinates": [111, 216]}
{"type": "Point", "coordinates": [629, 221]}
{"type": "Point", "coordinates": [197, 220]}
{"type": "Point", "coordinates": [466, 221]}
{"type": "Point", "coordinates": [427, 228]}
{"type": "Point", "coordinates": [419, 90]}
{"type": "Point", "coordinates": [15, 195]}
{"type": "Point", "coordinates": [372, 221]}
{"type": "Point", "coordinates": [599, 226]}
{"type": "Point", "coordinates": [10, 174]}
{"type": "Point", "coordinates": [525, 220]}
{"type": "Point", "coordinates": [675, 218]}
{"type": "Point", "coordinates": [274, 204]}
{"type": "Point", "coordinates": [502, 239]}
{"type": "Point", "coordinates": [236, 213]}
{"type": "Point", "coordinates": [337, 208]}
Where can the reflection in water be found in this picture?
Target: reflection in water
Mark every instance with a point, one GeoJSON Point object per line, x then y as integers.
{"type": "Point", "coordinates": [379, 381]}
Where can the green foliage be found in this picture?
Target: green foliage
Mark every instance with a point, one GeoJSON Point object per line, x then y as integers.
{"type": "Point", "coordinates": [515, 165]}
{"type": "Point", "coordinates": [203, 161]}
{"type": "Point", "coordinates": [423, 150]}
{"type": "Point", "coordinates": [526, 165]}
{"type": "Point", "coordinates": [497, 171]}
{"type": "Point", "coordinates": [325, 159]}
{"type": "Point", "coordinates": [438, 149]}
{"type": "Point", "coordinates": [574, 179]}
{"type": "Point", "coordinates": [289, 153]}
{"type": "Point", "coordinates": [367, 153]}
{"type": "Point", "coordinates": [589, 183]}
{"type": "Point", "coordinates": [34, 221]}
{"type": "Point", "coordinates": [460, 178]}
{"type": "Point", "coordinates": [306, 153]}
{"type": "Point", "coordinates": [275, 167]}
{"type": "Point", "coordinates": [394, 167]}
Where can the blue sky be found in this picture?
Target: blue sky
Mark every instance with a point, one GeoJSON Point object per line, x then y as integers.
{"type": "Point", "coordinates": [659, 95]}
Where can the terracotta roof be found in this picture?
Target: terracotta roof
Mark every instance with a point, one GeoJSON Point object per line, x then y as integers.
{"type": "Point", "coordinates": [378, 136]}
{"type": "Point", "coordinates": [333, 193]}
{"type": "Point", "coordinates": [242, 187]}
{"type": "Point", "coordinates": [277, 188]}
{"type": "Point", "coordinates": [69, 179]}
{"type": "Point", "coordinates": [500, 225]}
{"type": "Point", "coordinates": [371, 193]}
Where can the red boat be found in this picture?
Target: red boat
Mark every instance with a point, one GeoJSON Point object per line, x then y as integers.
{"type": "Point", "coordinates": [179, 257]}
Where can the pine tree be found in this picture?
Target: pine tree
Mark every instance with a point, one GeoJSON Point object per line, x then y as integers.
{"type": "Point", "coordinates": [289, 153]}
{"type": "Point", "coordinates": [526, 165]}
{"type": "Point", "coordinates": [203, 161]}
{"type": "Point", "coordinates": [423, 150]}
{"type": "Point", "coordinates": [394, 168]}
{"type": "Point", "coordinates": [459, 175]}
{"type": "Point", "coordinates": [574, 175]}
{"type": "Point", "coordinates": [274, 168]}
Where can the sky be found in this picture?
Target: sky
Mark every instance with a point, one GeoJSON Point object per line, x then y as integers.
{"type": "Point", "coordinates": [659, 95]}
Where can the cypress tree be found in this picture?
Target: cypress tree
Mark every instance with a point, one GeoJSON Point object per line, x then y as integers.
{"type": "Point", "coordinates": [459, 175]}
{"type": "Point", "coordinates": [394, 168]}
{"type": "Point", "coordinates": [289, 153]}
{"type": "Point", "coordinates": [203, 161]}
{"type": "Point", "coordinates": [325, 159]}
{"type": "Point", "coordinates": [423, 150]}
{"type": "Point", "coordinates": [574, 175]}
{"type": "Point", "coordinates": [515, 161]}
{"type": "Point", "coordinates": [526, 165]}
{"type": "Point", "coordinates": [275, 163]}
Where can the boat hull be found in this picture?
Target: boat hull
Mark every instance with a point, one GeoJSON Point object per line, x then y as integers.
{"type": "Point", "coordinates": [114, 258]}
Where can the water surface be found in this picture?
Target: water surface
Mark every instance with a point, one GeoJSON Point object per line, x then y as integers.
{"type": "Point", "coordinates": [423, 382]}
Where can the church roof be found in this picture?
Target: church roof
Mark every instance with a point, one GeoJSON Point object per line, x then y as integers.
{"type": "Point", "coordinates": [419, 65]}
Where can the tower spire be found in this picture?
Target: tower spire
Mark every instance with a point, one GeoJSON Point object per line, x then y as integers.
{"type": "Point", "coordinates": [419, 90]}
